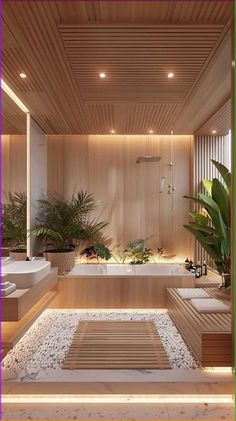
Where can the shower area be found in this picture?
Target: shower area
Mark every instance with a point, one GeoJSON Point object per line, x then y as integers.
{"type": "Point", "coordinates": [139, 182]}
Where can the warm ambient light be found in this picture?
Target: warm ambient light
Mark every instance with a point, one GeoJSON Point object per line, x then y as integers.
{"type": "Point", "coordinates": [151, 131]}
{"type": "Point", "coordinates": [128, 399]}
{"type": "Point", "coordinates": [170, 75]}
{"type": "Point", "coordinates": [23, 75]}
{"type": "Point", "coordinates": [13, 96]}
{"type": "Point", "coordinates": [102, 75]}
{"type": "Point", "coordinates": [213, 131]}
{"type": "Point", "coordinates": [113, 131]}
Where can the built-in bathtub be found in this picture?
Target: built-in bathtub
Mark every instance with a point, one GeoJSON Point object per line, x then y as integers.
{"type": "Point", "coordinates": [25, 274]}
{"type": "Point", "coordinates": [120, 285]}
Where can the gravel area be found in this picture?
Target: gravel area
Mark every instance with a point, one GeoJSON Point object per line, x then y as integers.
{"type": "Point", "coordinates": [45, 345]}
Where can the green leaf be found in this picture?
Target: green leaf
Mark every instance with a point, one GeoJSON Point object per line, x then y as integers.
{"type": "Point", "coordinates": [201, 219]}
{"type": "Point", "coordinates": [224, 172]}
{"type": "Point", "coordinates": [210, 249]}
{"type": "Point", "coordinates": [208, 186]}
{"type": "Point", "coordinates": [221, 197]}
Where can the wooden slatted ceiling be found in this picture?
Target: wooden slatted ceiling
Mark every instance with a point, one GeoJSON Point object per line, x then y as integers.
{"type": "Point", "coordinates": [219, 121]}
{"type": "Point", "coordinates": [62, 47]}
{"type": "Point", "coordinates": [137, 60]}
{"type": "Point", "coordinates": [13, 119]}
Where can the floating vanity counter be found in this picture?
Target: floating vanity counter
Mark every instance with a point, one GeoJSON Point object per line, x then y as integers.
{"type": "Point", "coordinates": [23, 306]}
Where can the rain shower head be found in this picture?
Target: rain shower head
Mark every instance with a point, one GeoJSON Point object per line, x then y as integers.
{"type": "Point", "coordinates": [148, 158]}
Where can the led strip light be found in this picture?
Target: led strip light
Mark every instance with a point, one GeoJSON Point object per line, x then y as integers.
{"type": "Point", "coordinates": [13, 96]}
{"type": "Point", "coordinates": [115, 399]}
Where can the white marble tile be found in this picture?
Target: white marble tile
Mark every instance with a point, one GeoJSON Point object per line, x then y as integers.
{"type": "Point", "coordinates": [200, 411]}
{"type": "Point", "coordinates": [124, 411]}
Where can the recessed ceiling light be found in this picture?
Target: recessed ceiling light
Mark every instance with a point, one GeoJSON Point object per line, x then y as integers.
{"type": "Point", "coordinates": [113, 131]}
{"type": "Point", "coordinates": [22, 75]}
{"type": "Point", "coordinates": [213, 131]}
{"type": "Point", "coordinates": [151, 131]}
{"type": "Point", "coordinates": [170, 75]}
{"type": "Point", "coordinates": [102, 75]}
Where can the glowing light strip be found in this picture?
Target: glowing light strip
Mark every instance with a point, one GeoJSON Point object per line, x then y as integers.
{"type": "Point", "coordinates": [110, 399]}
{"type": "Point", "coordinates": [13, 96]}
{"type": "Point", "coordinates": [112, 310]}
{"type": "Point", "coordinates": [218, 369]}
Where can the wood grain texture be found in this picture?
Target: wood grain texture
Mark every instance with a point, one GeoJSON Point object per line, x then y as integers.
{"type": "Point", "coordinates": [220, 121]}
{"type": "Point", "coordinates": [17, 304]}
{"type": "Point", "coordinates": [13, 118]}
{"type": "Point", "coordinates": [13, 164]}
{"type": "Point", "coordinates": [128, 194]}
{"type": "Point", "coordinates": [136, 45]}
{"type": "Point", "coordinates": [116, 345]}
{"type": "Point", "coordinates": [208, 335]}
{"type": "Point", "coordinates": [117, 292]}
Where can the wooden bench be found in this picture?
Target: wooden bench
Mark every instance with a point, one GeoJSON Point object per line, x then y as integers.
{"type": "Point", "coordinates": [209, 336]}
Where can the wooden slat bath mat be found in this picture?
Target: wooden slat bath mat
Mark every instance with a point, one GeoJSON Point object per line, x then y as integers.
{"type": "Point", "coordinates": [116, 344]}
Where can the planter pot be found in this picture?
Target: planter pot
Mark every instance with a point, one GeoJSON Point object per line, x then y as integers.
{"type": "Point", "coordinates": [225, 280]}
{"type": "Point", "coordinates": [18, 254]}
{"type": "Point", "coordinates": [64, 260]}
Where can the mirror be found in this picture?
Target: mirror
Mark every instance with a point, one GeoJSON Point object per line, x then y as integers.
{"type": "Point", "coordinates": [14, 179]}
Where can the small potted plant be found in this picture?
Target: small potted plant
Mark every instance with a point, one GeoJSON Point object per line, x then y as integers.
{"type": "Point", "coordinates": [96, 251]}
{"type": "Point", "coordinates": [62, 224]}
{"type": "Point", "coordinates": [14, 230]}
{"type": "Point", "coordinates": [138, 254]}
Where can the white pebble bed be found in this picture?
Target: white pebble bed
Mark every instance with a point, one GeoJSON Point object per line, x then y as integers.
{"type": "Point", "coordinates": [45, 345]}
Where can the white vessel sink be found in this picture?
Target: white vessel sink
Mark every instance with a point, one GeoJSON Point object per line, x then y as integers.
{"type": "Point", "coordinates": [25, 274]}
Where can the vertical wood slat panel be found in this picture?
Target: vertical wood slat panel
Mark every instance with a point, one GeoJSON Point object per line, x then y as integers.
{"type": "Point", "coordinates": [205, 149]}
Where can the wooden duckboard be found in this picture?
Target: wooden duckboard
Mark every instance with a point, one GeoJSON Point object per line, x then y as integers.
{"type": "Point", "coordinates": [116, 345]}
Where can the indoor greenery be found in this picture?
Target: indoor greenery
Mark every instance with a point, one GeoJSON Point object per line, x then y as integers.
{"type": "Point", "coordinates": [96, 251]}
{"type": "Point", "coordinates": [62, 223]}
{"type": "Point", "coordinates": [211, 224]}
{"type": "Point", "coordinates": [136, 251]}
{"type": "Point", "coordinates": [14, 229]}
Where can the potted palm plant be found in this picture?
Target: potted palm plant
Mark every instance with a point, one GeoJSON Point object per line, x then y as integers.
{"type": "Point", "coordinates": [63, 224]}
{"type": "Point", "coordinates": [14, 230]}
{"type": "Point", "coordinates": [211, 225]}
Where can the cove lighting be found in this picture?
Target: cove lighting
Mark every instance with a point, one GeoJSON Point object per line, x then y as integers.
{"type": "Point", "coordinates": [13, 96]}
{"type": "Point", "coordinates": [128, 399]}
{"type": "Point", "coordinates": [170, 75]}
{"type": "Point", "coordinates": [23, 75]}
{"type": "Point", "coordinates": [102, 75]}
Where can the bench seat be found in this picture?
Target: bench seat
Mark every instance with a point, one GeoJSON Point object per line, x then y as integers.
{"type": "Point", "coordinates": [208, 336]}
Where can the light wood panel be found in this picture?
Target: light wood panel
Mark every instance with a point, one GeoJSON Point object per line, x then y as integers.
{"type": "Point", "coordinates": [136, 45]}
{"type": "Point", "coordinates": [208, 335]}
{"type": "Point", "coordinates": [13, 118]}
{"type": "Point", "coordinates": [12, 332]}
{"type": "Point", "coordinates": [212, 89]}
{"type": "Point", "coordinates": [117, 292]}
{"type": "Point", "coordinates": [128, 194]}
{"type": "Point", "coordinates": [116, 345]}
{"type": "Point", "coordinates": [18, 303]}
{"type": "Point", "coordinates": [13, 164]}
{"type": "Point", "coordinates": [219, 121]}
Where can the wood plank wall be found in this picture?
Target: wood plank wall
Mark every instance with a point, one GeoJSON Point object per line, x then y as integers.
{"type": "Point", "coordinates": [128, 193]}
{"type": "Point", "coordinates": [13, 164]}
{"type": "Point", "coordinates": [205, 149]}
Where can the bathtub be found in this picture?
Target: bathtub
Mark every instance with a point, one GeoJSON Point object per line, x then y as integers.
{"type": "Point", "coordinates": [25, 274]}
{"type": "Point", "coordinates": [150, 269]}
{"type": "Point", "coordinates": [117, 286]}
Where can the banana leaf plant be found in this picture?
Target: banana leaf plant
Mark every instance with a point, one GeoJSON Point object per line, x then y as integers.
{"type": "Point", "coordinates": [211, 225]}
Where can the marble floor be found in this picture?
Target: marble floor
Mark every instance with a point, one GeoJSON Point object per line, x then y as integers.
{"type": "Point", "coordinates": [120, 412]}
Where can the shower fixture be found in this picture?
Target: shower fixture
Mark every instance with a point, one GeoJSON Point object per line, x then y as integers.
{"type": "Point", "coordinates": [148, 158]}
